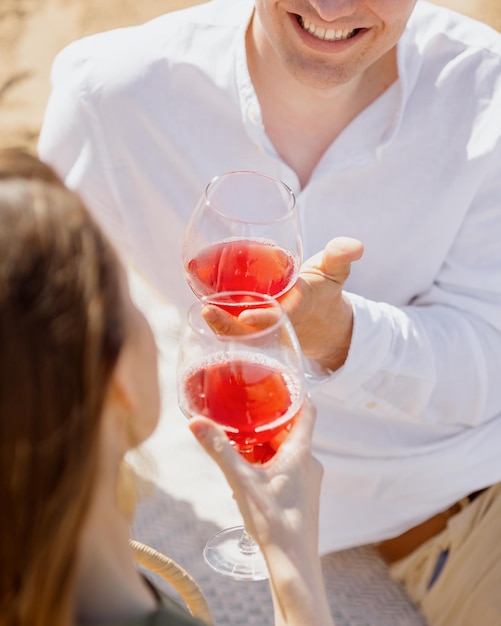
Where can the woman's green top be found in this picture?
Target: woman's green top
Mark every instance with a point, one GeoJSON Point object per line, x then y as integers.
{"type": "Point", "coordinates": [168, 613]}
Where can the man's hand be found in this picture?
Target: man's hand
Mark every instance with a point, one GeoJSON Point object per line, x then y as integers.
{"type": "Point", "coordinates": [321, 315]}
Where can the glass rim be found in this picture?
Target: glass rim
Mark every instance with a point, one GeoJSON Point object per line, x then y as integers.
{"type": "Point", "coordinates": [290, 208]}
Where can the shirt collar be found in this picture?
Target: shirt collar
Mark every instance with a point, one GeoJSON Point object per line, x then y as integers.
{"type": "Point", "coordinates": [408, 62]}
{"type": "Point", "coordinates": [249, 103]}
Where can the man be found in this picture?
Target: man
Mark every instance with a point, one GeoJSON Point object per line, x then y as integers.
{"type": "Point", "coordinates": [383, 118]}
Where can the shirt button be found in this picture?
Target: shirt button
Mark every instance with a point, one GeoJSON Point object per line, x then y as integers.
{"type": "Point", "coordinates": [254, 114]}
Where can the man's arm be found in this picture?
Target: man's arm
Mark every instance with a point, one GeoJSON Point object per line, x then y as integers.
{"type": "Point", "coordinates": [436, 360]}
{"type": "Point", "coordinates": [70, 142]}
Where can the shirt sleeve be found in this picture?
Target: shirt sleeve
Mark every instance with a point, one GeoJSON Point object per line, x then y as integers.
{"type": "Point", "coordinates": [437, 360]}
{"type": "Point", "coordinates": [70, 140]}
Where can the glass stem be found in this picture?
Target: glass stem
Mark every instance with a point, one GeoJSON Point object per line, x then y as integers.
{"type": "Point", "coordinates": [246, 543]}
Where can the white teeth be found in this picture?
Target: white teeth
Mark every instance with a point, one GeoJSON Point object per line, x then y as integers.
{"type": "Point", "coordinates": [321, 33]}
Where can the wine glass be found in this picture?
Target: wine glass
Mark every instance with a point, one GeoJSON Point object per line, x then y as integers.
{"type": "Point", "coordinates": [243, 235]}
{"type": "Point", "coordinates": [251, 382]}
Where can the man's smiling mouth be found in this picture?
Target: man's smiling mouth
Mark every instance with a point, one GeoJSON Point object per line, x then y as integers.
{"type": "Point", "coordinates": [330, 34]}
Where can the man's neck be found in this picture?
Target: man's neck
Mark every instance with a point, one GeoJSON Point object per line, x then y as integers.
{"type": "Point", "coordinates": [302, 121]}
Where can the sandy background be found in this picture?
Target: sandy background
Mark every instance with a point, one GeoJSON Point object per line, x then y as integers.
{"type": "Point", "coordinates": [33, 31]}
{"type": "Point", "coordinates": [31, 34]}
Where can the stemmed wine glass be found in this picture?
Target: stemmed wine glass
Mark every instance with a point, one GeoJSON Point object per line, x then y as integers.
{"type": "Point", "coordinates": [243, 235]}
{"type": "Point", "coordinates": [251, 382]}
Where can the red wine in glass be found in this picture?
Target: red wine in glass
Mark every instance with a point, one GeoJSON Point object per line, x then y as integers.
{"type": "Point", "coordinates": [254, 400]}
{"type": "Point", "coordinates": [243, 264]}
{"type": "Point", "coordinates": [243, 235]}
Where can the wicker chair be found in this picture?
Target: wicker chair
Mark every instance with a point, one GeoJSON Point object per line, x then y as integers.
{"type": "Point", "coordinates": [175, 575]}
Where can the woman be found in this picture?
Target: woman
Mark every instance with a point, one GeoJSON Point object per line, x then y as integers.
{"type": "Point", "coordinates": [78, 389]}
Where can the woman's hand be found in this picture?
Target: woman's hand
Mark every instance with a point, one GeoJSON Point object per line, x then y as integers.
{"type": "Point", "coordinates": [279, 502]}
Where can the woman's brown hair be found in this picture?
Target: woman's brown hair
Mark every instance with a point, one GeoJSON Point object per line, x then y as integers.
{"type": "Point", "coordinates": [61, 331]}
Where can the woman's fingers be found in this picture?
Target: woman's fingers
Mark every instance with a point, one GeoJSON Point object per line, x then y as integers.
{"type": "Point", "coordinates": [211, 437]}
{"type": "Point", "coordinates": [301, 433]}
{"type": "Point", "coordinates": [215, 442]}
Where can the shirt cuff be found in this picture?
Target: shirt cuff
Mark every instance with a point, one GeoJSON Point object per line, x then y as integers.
{"type": "Point", "coordinates": [371, 342]}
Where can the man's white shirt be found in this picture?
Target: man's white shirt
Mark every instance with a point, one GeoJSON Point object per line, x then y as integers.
{"type": "Point", "coordinates": [140, 119]}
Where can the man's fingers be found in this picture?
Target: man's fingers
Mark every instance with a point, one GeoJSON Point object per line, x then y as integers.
{"type": "Point", "coordinates": [249, 320]}
{"type": "Point", "coordinates": [222, 322]}
{"type": "Point", "coordinates": [260, 318]}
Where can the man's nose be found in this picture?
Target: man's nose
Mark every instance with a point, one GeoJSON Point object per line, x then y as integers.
{"type": "Point", "coordinates": [331, 10]}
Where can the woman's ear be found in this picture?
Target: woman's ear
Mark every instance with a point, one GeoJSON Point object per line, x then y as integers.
{"type": "Point", "coordinates": [133, 391]}
{"type": "Point", "coordinates": [120, 393]}
{"type": "Point", "coordinates": [120, 407]}
{"type": "Point", "coordinates": [118, 436]}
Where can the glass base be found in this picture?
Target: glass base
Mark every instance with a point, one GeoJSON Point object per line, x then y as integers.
{"type": "Point", "coordinates": [232, 552]}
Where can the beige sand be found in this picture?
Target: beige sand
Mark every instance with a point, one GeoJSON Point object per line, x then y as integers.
{"type": "Point", "coordinates": [33, 31]}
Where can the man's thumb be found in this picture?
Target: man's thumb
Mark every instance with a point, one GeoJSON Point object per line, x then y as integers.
{"type": "Point", "coordinates": [341, 250]}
